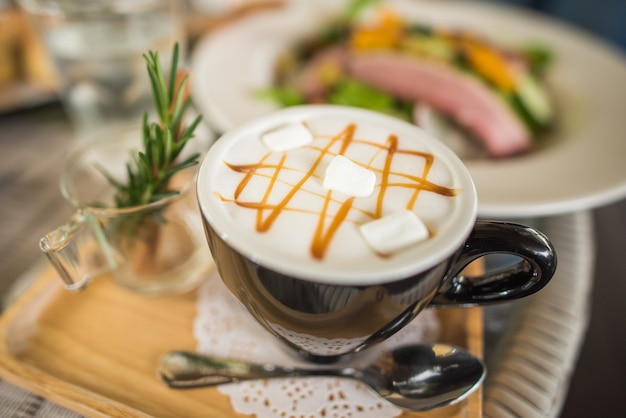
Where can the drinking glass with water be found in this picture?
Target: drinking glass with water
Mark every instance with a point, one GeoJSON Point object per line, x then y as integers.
{"type": "Point", "coordinates": [96, 48]}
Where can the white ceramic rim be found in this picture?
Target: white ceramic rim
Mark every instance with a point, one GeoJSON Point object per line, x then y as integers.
{"type": "Point", "coordinates": [407, 263]}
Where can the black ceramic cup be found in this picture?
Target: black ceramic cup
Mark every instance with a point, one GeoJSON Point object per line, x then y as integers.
{"type": "Point", "coordinates": [294, 252]}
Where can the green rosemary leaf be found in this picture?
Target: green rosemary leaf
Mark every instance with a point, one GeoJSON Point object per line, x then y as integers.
{"type": "Point", "coordinates": [168, 148]}
{"type": "Point", "coordinates": [173, 71]}
{"type": "Point", "coordinates": [188, 132]}
{"type": "Point", "coordinates": [159, 90]}
{"type": "Point", "coordinates": [145, 130]}
{"type": "Point", "coordinates": [180, 99]}
{"type": "Point", "coordinates": [132, 179]}
{"type": "Point", "coordinates": [189, 162]}
{"type": "Point", "coordinates": [150, 169]}
{"type": "Point", "coordinates": [145, 170]}
{"type": "Point", "coordinates": [159, 148]}
{"type": "Point", "coordinates": [158, 74]}
{"type": "Point", "coordinates": [159, 101]}
{"type": "Point", "coordinates": [150, 150]}
{"type": "Point", "coordinates": [165, 195]}
{"type": "Point", "coordinates": [177, 119]}
{"type": "Point", "coordinates": [109, 178]}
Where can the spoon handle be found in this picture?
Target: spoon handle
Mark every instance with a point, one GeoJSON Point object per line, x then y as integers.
{"type": "Point", "coordinates": [184, 369]}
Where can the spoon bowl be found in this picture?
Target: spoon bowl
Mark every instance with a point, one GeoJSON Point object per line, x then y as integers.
{"type": "Point", "coordinates": [414, 377]}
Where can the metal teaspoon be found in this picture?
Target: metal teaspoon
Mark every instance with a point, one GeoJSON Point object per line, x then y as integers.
{"type": "Point", "coordinates": [414, 377]}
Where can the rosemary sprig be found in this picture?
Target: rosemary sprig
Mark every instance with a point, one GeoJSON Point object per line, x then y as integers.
{"type": "Point", "coordinates": [148, 171]}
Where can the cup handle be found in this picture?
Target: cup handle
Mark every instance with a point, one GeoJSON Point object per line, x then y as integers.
{"type": "Point", "coordinates": [531, 273]}
{"type": "Point", "coordinates": [79, 250]}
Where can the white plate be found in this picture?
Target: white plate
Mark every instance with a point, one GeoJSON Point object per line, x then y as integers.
{"type": "Point", "coordinates": [581, 167]}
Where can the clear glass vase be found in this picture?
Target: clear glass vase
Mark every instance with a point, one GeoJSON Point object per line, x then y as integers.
{"type": "Point", "coordinates": [150, 249]}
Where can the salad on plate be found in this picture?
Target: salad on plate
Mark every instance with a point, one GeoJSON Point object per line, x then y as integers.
{"type": "Point", "coordinates": [488, 98]}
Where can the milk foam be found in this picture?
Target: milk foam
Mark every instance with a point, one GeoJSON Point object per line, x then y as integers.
{"type": "Point", "coordinates": [272, 206]}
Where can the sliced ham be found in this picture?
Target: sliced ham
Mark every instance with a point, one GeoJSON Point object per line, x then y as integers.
{"type": "Point", "coordinates": [465, 99]}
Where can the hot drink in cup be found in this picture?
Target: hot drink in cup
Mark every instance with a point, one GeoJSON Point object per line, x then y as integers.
{"type": "Point", "coordinates": [336, 226]}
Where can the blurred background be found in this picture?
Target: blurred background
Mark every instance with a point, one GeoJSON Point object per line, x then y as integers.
{"type": "Point", "coordinates": [30, 110]}
{"type": "Point", "coordinates": [604, 18]}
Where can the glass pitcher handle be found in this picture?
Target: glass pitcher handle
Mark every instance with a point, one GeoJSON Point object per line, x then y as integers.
{"type": "Point", "coordinates": [79, 250]}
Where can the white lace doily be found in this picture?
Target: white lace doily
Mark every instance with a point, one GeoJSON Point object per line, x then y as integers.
{"type": "Point", "coordinates": [224, 328]}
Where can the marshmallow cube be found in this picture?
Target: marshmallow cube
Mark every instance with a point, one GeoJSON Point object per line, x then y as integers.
{"type": "Point", "coordinates": [347, 177]}
{"type": "Point", "coordinates": [287, 137]}
{"type": "Point", "coordinates": [394, 232]}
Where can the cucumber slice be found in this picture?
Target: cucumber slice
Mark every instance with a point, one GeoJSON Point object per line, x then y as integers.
{"type": "Point", "coordinates": [534, 100]}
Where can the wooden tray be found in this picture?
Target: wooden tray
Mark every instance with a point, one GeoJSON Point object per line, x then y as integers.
{"type": "Point", "coordinates": [96, 352]}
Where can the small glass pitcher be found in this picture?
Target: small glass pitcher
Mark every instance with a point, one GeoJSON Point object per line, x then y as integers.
{"type": "Point", "coordinates": [150, 249]}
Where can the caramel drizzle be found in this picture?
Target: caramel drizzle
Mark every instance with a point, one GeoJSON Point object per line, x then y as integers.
{"type": "Point", "coordinates": [267, 213]}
